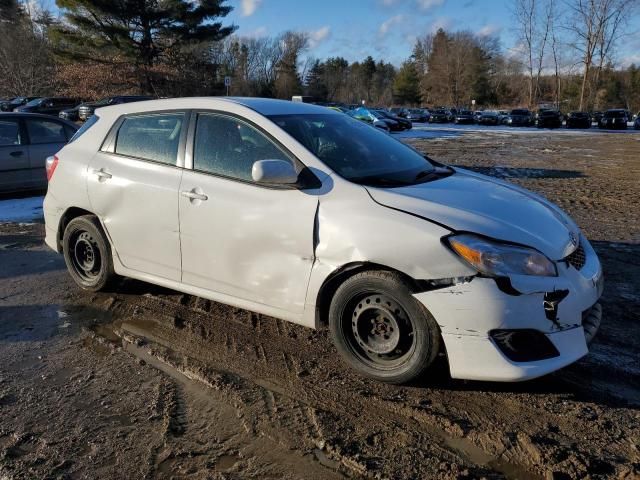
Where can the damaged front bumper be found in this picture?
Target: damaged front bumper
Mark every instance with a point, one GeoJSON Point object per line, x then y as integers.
{"type": "Point", "coordinates": [533, 327]}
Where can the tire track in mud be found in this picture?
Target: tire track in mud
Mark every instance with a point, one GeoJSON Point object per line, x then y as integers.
{"type": "Point", "coordinates": [344, 420]}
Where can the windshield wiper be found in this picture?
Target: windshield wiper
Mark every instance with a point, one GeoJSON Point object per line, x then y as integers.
{"type": "Point", "coordinates": [437, 172]}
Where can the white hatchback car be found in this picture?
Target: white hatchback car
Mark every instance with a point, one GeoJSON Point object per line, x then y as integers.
{"type": "Point", "coordinates": [303, 213]}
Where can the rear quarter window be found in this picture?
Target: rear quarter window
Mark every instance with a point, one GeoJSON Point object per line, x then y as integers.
{"type": "Point", "coordinates": [153, 137]}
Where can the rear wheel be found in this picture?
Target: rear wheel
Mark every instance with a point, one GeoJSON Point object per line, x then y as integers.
{"type": "Point", "coordinates": [87, 253]}
{"type": "Point", "coordinates": [380, 329]}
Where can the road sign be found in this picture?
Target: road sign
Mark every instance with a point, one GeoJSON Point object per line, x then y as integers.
{"type": "Point", "coordinates": [227, 81]}
{"type": "Point", "coordinates": [473, 102]}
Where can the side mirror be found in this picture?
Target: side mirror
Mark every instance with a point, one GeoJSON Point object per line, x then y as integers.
{"type": "Point", "coordinates": [274, 172]}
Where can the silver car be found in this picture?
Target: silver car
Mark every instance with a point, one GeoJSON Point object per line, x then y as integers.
{"type": "Point", "coordinates": [26, 140]}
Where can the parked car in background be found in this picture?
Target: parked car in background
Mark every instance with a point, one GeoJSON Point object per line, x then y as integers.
{"type": "Point", "coordinates": [71, 114]}
{"type": "Point", "coordinates": [614, 119]}
{"type": "Point", "coordinates": [549, 119]}
{"type": "Point", "coordinates": [596, 117]}
{"type": "Point", "coordinates": [294, 211]}
{"type": "Point", "coordinates": [403, 122]}
{"type": "Point", "coordinates": [10, 105]}
{"type": "Point", "coordinates": [48, 105]}
{"type": "Point", "coordinates": [26, 140]}
{"type": "Point", "coordinates": [439, 116]}
{"type": "Point", "coordinates": [364, 115]}
{"type": "Point", "coordinates": [400, 111]}
{"type": "Point", "coordinates": [636, 123]}
{"type": "Point", "coordinates": [489, 117]}
{"type": "Point", "coordinates": [502, 116]}
{"type": "Point", "coordinates": [519, 117]}
{"type": "Point", "coordinates": [464, 117]}
{"type": "Point", "coordinates": [476, 115]}
{"type": "Point", "coordinates": [86, 110]}
{"type": "Point", "coordinates": [578, 120]}
{"type": "Point", "coordinates": [418, 115]}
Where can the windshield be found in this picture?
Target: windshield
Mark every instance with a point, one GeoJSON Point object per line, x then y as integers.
{"type": "Point", "coordinates": [614, 114]}
{"type": "Point", "coordinates": [34, 103]}
{"type": "Point", "coordinates": [356, 151]}
{"type": "Point", "coordinates": [519, 112]}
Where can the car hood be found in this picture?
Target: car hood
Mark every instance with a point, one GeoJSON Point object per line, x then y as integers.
{"type": "Point", "coordinates": [470, 202]}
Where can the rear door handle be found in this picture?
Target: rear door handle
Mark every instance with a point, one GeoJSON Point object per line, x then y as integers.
{"type": "Point", "coordinates": [194, 195]}
{"type": "Point", "coordinates": [17, 153]}
{"type": "Point", "coordinates": [102, 174]}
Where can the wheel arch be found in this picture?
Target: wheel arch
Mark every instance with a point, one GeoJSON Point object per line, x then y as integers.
{"type": "Point", "coordinates": [67, 216]}
{"type": "Point", "coordinates": [339, 275]}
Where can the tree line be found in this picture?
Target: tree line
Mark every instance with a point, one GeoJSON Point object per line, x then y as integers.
{"type": "Point", "coordinates": [565, 56]}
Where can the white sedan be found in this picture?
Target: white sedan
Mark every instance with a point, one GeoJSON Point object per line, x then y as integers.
{"type": "Point", "coordinates": [305, 214]}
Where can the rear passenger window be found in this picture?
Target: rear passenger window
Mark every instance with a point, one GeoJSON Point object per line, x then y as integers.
{"type": "Point", "coordinates": [229, 147]}
{"type": "Point", "coordinates": [45, 131]}
{"type": "Point", "coordinates": [9, 133]}
{"type": "Point", "coordinates": [151, 137]}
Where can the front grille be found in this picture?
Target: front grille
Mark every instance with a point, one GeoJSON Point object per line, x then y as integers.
{"type": "Point", "coordinates": [577, 259]}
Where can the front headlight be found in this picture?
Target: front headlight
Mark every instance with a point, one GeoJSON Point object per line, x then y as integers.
{"type": "Point", "coordinates": [499, 259]}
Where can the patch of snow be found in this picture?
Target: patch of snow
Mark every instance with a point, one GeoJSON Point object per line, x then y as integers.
{"type": "Point", "coordinates": [21, 210]}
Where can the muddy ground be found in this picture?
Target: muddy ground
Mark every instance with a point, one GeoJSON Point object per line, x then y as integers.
{"type": "Point", "coordinates": [142, 382]}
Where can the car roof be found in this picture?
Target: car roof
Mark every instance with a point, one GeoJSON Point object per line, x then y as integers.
{"type": "Point", "coordinates": [264, 106]}
{"type": "Point", "coordinates": [37, 115]}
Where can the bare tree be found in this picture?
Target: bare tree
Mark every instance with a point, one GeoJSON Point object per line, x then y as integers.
{"type": "Point", "coordinates": [533, 31]}
{"type": "Point", "coordinates": [595, 27]}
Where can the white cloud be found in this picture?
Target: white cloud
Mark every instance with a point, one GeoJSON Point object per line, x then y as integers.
{"type": "Point", "coordinates": [489, 30]}
{"type": "Point", "coordinates": [318, 36]}
{"type": "Point", "coordinates": [249, 7]}
{"type": "Point", "coordinates": [425, 5]}
{"type": "Point", "coordinates": [628, 60]}
{"type": "Point", "coordinates": [388, 3]}
{"type": "Point", "coordinates": [389, 24]}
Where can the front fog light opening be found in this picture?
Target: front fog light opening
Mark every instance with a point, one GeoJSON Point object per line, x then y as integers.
{"type": "Point", "coordinates": [524, 345]}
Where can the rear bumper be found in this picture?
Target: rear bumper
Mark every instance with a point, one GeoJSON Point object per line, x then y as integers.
{"type": "Point", "coordinates": [52, 214]}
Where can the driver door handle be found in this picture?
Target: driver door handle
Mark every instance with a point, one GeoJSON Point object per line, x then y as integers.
{"type": "Point", "coordinates": [194, 195]}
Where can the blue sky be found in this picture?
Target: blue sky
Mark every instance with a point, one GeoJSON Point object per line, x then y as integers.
{"type": "Point", "coordinates": [382, 28]}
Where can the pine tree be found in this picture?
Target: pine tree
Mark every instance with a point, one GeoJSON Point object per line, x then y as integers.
{"type": "Point", "coordinates": [138, 31]}
{"type": "Point", "coordinates": [406, 87]}
{"type": "Point", "coordinates": [314, 82]}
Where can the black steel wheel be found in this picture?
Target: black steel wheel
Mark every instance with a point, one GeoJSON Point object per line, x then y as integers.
{"type": "Point", "coordinates": [87, 253]}
{"type": "Point", "coordinates": [380, 329]}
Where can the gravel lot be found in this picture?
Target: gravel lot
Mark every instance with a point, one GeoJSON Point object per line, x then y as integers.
{"type": "Point", "coordinates": [143, 382]}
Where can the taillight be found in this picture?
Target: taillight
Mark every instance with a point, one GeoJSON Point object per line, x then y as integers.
{"type": "Point", "coordinates": [51, 164]}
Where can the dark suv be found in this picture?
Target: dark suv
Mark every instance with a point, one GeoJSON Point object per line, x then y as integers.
{"type": "Point", "coordinates": [86, 110]}
{"type": "Point", "coordinates": [616, 118]}
{"type": "Point", "coordinates": [520, 117]}
{"type": "Point", "coordinates": [48, 105]}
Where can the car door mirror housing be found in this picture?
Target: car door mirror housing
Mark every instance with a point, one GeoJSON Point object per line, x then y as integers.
{"type": "Point", "coordinates": [279, 172]}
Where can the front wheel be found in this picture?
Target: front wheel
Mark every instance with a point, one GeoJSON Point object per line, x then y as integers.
{"type": "Point", "coordinates": [87, 254]}
{"type": "Point", "coordinates": [380, 329]}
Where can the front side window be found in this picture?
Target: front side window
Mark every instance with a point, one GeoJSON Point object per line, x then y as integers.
{"type": "Point", "coordinates": [151, 137]}
{"type": "Point", "coordinates": [9, 133]}
{"type": "Point", "coordinates": [45, 131]}
{"type": "Point", "coordinates": [229, 147]}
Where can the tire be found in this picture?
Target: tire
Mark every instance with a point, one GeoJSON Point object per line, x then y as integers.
{"type": "Point", "coordinates": [380, 329]}
{"type": "Point", "coordinates": [87, 254]}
